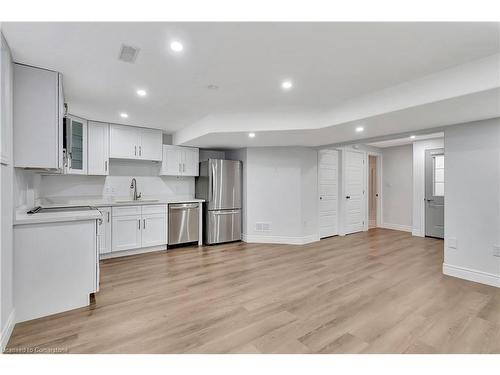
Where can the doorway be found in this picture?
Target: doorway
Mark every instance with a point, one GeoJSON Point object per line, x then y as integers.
{"type": "Point", "coordinates": [328, 162]}
{"type": "Point", "coordinates": [434, 193]}
{"type": "Point", "coordinates": [354, 191]}
{"type": "Point", "coordinates": [372, 191]}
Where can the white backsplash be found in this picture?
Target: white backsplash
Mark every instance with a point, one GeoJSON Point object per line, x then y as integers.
{"type": "Point", "coordinates": [31, 186]}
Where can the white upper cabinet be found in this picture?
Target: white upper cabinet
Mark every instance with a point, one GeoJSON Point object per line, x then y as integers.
{"type": "Point", "coordinates": [171, 164]}
{"type": "Point", "coordinates": [180, 161]}
{"type": "Point", "coordinates": [190, 161]}
{"type": "Point", "coordinates": [38, 118]}
{"type": "Point", "coordinates": [6, 97]}
{"type": "Point", "coordinates": [98, 148]}
{"type": "Point", "coordinates": [128, 142]}
{"type": "Point", "coordinates": [150, 146]}
{"type": "Point", "coordinates": [123, 142]}
{"type": "Point", "coordinates": [75, 145]}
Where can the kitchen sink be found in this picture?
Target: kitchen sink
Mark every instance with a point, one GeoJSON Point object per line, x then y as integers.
{"type": "Point", "coordinates": [138, 201]}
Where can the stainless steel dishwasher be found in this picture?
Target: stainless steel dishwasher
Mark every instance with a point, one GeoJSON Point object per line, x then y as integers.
{"type": "Point", "coordinates": [183, 223]}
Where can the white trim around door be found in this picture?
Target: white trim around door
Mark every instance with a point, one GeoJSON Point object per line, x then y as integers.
{"type": "Point", "coordinates": [380, 205]}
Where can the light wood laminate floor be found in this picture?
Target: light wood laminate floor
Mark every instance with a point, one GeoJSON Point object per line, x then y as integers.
{"type": "Point", "coordinates": [380, 291]}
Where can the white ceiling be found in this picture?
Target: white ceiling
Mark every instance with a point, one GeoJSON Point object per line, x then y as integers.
{"type": "Point", "coordinates": [424, 119]}
{"type": "Point", "coordinates": [328, 63]}
{"type": "Point", "coordinates": [405, 140]}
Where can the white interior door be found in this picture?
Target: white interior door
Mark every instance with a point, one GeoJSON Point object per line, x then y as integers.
{"type": "Point", "coordinates": [354, 194]}
{"type": "Point", "coordinates": [328, 161]}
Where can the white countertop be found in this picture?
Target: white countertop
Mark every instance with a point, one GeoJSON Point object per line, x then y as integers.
{"type": "Point", "coordinates": [22, 217]}
{"type": "Point", "coordinates": [109, 202]}
{"type": "Point", "coordinates": [54, 217]}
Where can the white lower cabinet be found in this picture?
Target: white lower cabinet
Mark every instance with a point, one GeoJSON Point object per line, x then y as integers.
{"type": "Point", "coordinates": [126, 232]}
{"type": "Point", "coordinates": [104, 230]}
{"type": "Point", "coordinates": [138, 226]}
{"type": "Point", "coordinates": [153, 230]}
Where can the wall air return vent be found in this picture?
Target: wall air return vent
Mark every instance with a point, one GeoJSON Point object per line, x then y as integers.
{"type": "Point", "coordinates": [128, 53]}
{"type": "Point", "coordinates": [262, 227]}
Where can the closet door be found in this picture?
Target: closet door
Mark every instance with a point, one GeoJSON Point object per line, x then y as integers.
{"type": "Point", "coordinates": [328, 162]}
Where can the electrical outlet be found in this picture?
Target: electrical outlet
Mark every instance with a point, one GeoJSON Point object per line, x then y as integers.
{"type": "Point", "coordinates": [496, 251]}
{"type": "Point", "coordinates": [452, 243]}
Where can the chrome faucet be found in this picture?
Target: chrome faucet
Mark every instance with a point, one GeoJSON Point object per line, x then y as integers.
{"type": "Point", "coordinates": [133, 185]}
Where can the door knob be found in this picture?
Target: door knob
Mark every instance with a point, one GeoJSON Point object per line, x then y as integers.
{"type": "Point", "coordinates": [347, 197]}
{"type": "Point", "coordinates": [320, 198]}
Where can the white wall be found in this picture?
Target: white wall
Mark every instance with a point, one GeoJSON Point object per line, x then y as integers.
{"type": "Point", "coordinates": [419, 147]}
{"type": "Point", "coordinates": [206, 154]}
{"type": "Point", "coordinates": [6, 195]}
{"type": "Point", "coordinates": [397, 186]}
{"type": "Point", "coordinates": [281, 190]}
{"type": "Point", "coordinates": [472, 201]}
{"type": "Point", "coordinates": [241, 155]}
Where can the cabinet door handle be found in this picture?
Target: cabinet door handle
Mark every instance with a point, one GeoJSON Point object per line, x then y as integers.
{"type": "Point", "coordinates": [105, 166]}
{"type": "Point", "coordinates": [140, 150]}
{"type": "Point", "coordinates": [139, 224]}
{"type": "Point", "coordinates": [108, 217]}
{"type": "Point", "coordinates": [135, 150]}
{"type": "Point", "coordinates": [180, 169]}
{"type": "Point", "coordinates": [143, 223]}
{"type": "Point", "coordinates": [183, 167]}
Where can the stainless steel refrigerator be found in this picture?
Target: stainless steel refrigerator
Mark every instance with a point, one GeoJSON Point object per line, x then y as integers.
{"type": "Point", "coordinates": [219, 184]}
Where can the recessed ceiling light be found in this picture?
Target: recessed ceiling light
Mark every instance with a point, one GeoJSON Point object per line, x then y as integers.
{"type": "Point", "coordinates": [141, 92]}
{"type": "Point", "coordinates": [286, 85]}
{"type": "Point", "coordinates": [176, 46]}
{"type": "Point", "coordinates": [359, 129]}
{"type": "Point", "coordinates": [251, 135]}
{"type": "Point", "coordinates": [123, 115]}
{"type": "Point", "coordinates": [413, 136]}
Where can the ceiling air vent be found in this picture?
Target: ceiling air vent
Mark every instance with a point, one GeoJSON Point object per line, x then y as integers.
{"type": "Point", "coordinates": [128, 53]}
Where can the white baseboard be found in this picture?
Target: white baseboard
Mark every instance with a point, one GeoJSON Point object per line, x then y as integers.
{"type": "Point", "coordinates": [404, 228]}
{"type": "Point", "coordinates": [125, 253]}
{"type": "Point", "coordinates": [7, 331]}
{"type": "Point", "coordinates": [252, 238]}
{"type": "Point", "coordinates": [471, 275]}
{"type": "Point", "coordinates": [417, 233]}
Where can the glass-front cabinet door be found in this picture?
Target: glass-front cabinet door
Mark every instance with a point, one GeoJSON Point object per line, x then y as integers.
{"type": "Point", "coordinates": [75, 145]}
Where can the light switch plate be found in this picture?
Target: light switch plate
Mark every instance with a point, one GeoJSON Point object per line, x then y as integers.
{"type": "Point", "coordinates": [452, 243]}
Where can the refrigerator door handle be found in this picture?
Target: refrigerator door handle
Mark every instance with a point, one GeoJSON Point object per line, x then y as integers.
{"type": "Point", "coordinates": [232, 212]}
{"type": "Point", "coordinates": [213, 182]}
